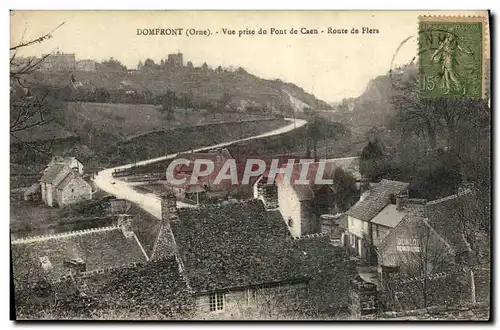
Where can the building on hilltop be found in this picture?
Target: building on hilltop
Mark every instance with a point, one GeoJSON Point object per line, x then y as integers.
{"type": "Point", "coordinates": [175, 60]}
{"type": "Point", "coordinates": [58, 62]}
{"type": "Point", "coordinates": [86, 65]}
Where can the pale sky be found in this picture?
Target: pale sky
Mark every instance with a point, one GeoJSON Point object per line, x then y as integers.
{"type": "Point", "coordinates": [332, 66]}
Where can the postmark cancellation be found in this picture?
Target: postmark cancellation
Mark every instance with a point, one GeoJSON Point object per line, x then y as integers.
{"type": "Point", "coordinates": [453, 56]}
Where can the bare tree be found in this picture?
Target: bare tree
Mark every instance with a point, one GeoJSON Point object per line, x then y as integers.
{"type": "Point", "coordinates": [423, 258]}
{"type": "Point", "coordinates": [27, 109]}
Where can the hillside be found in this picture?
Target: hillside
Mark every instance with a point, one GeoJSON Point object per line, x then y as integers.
{"type": "Point", "coordinates": [373, 107]}
{"type": "Point", "coordinates": [243, 89]}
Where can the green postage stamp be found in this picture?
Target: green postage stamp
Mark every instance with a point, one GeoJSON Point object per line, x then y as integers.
{"type": "Point", "coordinates": [452, 56]}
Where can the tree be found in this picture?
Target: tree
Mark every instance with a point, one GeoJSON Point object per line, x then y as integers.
{"type": "Point", "coordinates": [346, 193]}
{"type": "Point", "coordinates": [150, 64]}
{"type": "Point", "coordinates": [167, 102]}
{"type": "Point", "coordinates": [425, 263]}
{"type": "Point", "coordinates": [111, 65]}
{"type": "Point", "coordinates": [225, 100]}
{"type": "Point", "coordinates": [373, 164]}
{"type": "Point", "coordinates": [28, 110]}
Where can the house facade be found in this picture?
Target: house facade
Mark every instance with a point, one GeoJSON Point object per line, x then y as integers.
{"type": "Point", "coordinates": [372, 203]}
{"type": "Point", "coordinates": [73, 189]}
{"type": "Point", "coordinates": [269, 301]}
{"type": "Point", "coordinates": [62, 184]}
{"type": "Point", "coordinates": [249, 276]}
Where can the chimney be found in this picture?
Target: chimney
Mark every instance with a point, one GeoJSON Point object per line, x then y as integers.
{"type": "Point", "coordinates": [76, 265]}
{"type": "Point", "coordinates": [401, 201]}
{"type": "Point", "coordinates": [169, 207]}
{"type": "Point", "coordinates": [269, 193]}
{"type": "Point", "coordinates": [125, 222]}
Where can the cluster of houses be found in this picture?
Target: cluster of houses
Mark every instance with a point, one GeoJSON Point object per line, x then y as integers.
{"type": "Point", "coordinates": [240, 259]}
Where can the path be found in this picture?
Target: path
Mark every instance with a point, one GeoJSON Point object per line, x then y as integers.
{"type": "Point", "coordinates": [150, 202]}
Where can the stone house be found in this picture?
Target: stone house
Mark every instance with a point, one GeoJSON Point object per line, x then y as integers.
{"type": "Point", "coordinates": [72, 162]}
{"type": "Point", "coordinates": [427, 259]}
{"type": "Point", "coordinates": [239, 261]}
{"type": "Point", "coordinates": [402, 248]}
{"type": "Point", "coordinates": [60, 185]}
{"type": "Point", "coordinates": [302, 205]}
{"type": "Point", "coordinates": [299, 203]}
{"type": "Point", "coordinates": [55, 256]}
{"type": "Point", "coordinates": [371, 204]}
{"type": "Point", "coordinates": [218, 157]}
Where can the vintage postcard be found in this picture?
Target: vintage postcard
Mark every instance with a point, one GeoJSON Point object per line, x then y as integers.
{"type": "Point", "coordinates": [250, 165]}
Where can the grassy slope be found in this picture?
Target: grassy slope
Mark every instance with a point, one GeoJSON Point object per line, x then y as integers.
{"type": "Point", "coordinates": [206, 86]}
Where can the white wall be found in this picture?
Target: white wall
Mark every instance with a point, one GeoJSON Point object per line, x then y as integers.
{"type": "Point", "coordinates": [43, 187]}
{"type": "Point", "coordinates": [49, 194]}
{"type": "Point", "coordinates": [76, 191]}
{"type": "Point", "coordinates": [358, 227]}
{"type": "Point", "coordinates": [242, 304]}
{"type": "Point", "coordinates": [289, 206]}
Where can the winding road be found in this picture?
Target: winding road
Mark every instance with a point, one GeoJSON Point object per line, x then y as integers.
{"type": "Point", "coordinates": [150, 202]}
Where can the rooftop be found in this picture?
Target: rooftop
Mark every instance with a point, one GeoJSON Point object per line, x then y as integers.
{"type": "Point", "coordinates": [448, 217]}
{"type": "Point", "coordinates": [390, 216]}
{"type": "Point", "coordinates": [234, 245]}
{"type": "Point", "coordinates": [376, 199]}
{"type": "Point", "coordinates": [67, 179]}
{"type": "Point", "coordinates": [55, 174]}
{"type": "Point", "coordinates": [146, 287]}
{"type": "Point", "coordinates": [98, 248]}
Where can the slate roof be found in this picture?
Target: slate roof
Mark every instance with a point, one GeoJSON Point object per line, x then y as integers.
{"type": "Point", "coordinates": [235, 245]}
{"type": "Point", "coordinates": [67, 179]}
{"type": "Point", "coordinates": [146, 287]}
{"type": "Point", "coordinates": [330, 270]}
{"type": "Point", "coordinates": [306, 192]}
{"type": "Point", "coordinates": [446, 215]}
{"type": "Point", "coordinates": [303, 192]}
{"type": "Point", "coordinates": [391, 217]}
{"type": "Point", "coordinates": [99, 248]}
{"type": "Point", "coordinates": [55, 174]}
{"type": "Point", "coordinates": [376, 199]}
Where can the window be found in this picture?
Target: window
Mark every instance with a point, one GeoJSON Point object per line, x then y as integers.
{"type": "Point", "coordinates": [252, 295]}
{"type": "Point", "coordinates": [216, 301]}
{"type": "Point", "coordinates": [72, 190]}
{"type": "Point", "coordinates": [376, 228]}
{"type": "Point", "coordinates": [290, 222]}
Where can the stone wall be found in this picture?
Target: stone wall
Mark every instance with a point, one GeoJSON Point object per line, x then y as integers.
{"type": "Point", "coordinates": [478, 311]}
{"type": "Point", "coordinates": [247, 303]}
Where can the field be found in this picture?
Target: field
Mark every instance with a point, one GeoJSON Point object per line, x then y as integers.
{"type": "Point", "coordinates": [128, 120]}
